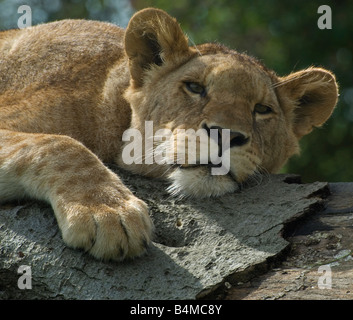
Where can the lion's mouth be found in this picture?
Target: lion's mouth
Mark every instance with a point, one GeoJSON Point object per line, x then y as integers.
{"type": "Point", "coordinates": [197, 181]}
{"type": "Point", "coordinates": [197, 165]}
{"type": "Point", "coordinates": [209, 166]}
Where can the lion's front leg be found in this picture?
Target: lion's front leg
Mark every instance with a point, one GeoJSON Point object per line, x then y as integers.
{"type": "Point", "coordinates": [94, 210]}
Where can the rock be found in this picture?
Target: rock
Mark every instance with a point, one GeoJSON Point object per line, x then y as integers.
{"type": "Point", "coordinates": [199, 245]}
{"type": "Point", "coordinates": [319, 265]}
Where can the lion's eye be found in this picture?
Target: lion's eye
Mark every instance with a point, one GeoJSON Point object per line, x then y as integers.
{"type": "Point", "coordinates": [196, 88]}
{"type": "Point", "coordinates": [262, 109]}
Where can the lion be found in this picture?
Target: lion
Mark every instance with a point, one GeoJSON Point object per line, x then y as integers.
{"type": "Point", "coordinates": [70, 89]}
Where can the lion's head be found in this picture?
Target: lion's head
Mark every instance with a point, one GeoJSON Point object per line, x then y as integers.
{"type": "Point", "coordinates": [212, 87]}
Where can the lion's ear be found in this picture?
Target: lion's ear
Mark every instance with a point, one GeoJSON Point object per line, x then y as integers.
{"type": "Point", "coordinates": [314, 94]}
{"type": "Point", "coordinates": [153, 37]}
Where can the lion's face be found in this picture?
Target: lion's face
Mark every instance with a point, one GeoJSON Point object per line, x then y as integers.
{"type": "Point", "coordinates": [187, 92]}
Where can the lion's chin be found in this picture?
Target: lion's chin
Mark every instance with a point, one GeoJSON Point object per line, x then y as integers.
{"type": "Point", "coordinates": [197, 182]}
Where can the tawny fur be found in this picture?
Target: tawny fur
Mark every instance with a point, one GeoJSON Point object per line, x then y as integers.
{"type": "Point", "coordinates": [70, 89]}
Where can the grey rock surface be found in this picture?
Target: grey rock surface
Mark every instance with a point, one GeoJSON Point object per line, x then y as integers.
{"type": "Point", "coordinates": [198, 245]}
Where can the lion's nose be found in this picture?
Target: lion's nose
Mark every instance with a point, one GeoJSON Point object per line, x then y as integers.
{"type": "Point", "coordinates": [236, 139]}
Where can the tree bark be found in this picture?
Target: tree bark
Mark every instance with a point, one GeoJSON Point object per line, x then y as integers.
{"type": "Point", "coordinates": [199, 245]}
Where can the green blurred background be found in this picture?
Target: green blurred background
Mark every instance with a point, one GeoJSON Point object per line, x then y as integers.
{"type": "Point", "coordinates": [283, 34]}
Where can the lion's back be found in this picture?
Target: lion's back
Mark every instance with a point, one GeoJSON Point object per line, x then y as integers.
{"type": "Point", "coordinates": [71, 52]}
{"type": "Point", "coordinates": [53, 79]}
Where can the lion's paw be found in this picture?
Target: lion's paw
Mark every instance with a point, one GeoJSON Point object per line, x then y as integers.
{"type": "Point", "coordinates": [108, 232]}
